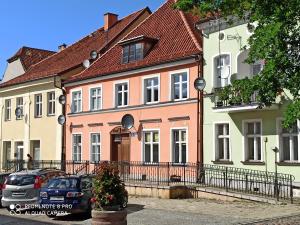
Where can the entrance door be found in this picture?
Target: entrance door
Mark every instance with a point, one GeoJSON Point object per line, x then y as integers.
{"type": "Point", "coordinates": [120, 144]}
{"type": "Point", "coordinates": [120, 148]}
{"type": "Point", "coordinates": [19, 155]}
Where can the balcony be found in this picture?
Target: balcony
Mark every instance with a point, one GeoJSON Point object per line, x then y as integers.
{"type": "Point", "coordinates": [227, 100]}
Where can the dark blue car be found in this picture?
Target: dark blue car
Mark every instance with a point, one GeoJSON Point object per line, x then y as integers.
{"type": "Point", "coordinates": [71, 194]}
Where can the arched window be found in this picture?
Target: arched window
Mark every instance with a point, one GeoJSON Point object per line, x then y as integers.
{"type": "Point", "coordinates": [247, 70]}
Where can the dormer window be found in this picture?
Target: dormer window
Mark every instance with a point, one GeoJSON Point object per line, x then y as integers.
{"type": "Point", "coordinates": [135, 49]}
{"type": "Point", "coordinates": [133, 52]}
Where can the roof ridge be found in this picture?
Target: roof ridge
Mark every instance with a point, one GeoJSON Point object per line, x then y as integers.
{"type": "Point", "coordinates": [81, 39]}
{"type": "Point", "coordinates": [39, 49]}
{"type": "Point", "coordinates": [187, 26]}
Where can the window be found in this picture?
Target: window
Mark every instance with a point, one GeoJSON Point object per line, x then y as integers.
{"type": "Point", "coordinates": [151, 90]}
{"type": "Point", "coordinates": [151, 146]}
{"type": "Point", "coordinates": [95, 147]}
{"type": "Point", "coordinates": [20, 105]}
{"type": "Point", "coordinates": [132, 52]}
{"type": "Point", "coordinates": [179, 146]}
{"type": "Point", "coordinates": [95, 99]}
{"type": "Point", "coordinates": [77, 147]}
{"type": "Point", "coordinates": [38, 105]}
{"type": "Point", "coordinates": [76, 102]}
{"type": "Point", "coordinates": [222, 70]}
{"type": "Point", "coordinates": [252, 134]}
{"type": "Point", "coordinates": [222, 142]}
{"type": "Point", "coordinates": [288, 142]}
{"type": "Point", "coordinates": [179, 86]}
{"type": "Point", "coordinates": [8, 109]}
{"type": "Point", "coordinates": [51, 103]}
{"type": "Point", "coordinates": [121, 94]}
{"type": "Point", "coordinates": [247, 70]}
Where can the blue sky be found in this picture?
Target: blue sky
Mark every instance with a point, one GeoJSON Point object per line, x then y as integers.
{"type": "Point", "coordinates": [48, 23]}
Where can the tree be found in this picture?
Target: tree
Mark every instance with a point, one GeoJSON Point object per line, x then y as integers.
{"type": "Point", "coordinates": [276, 39]}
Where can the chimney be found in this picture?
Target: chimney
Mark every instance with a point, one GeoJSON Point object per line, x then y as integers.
{"type": "Point", "coordinates": [109, 20]}
{"type": "Point", "coordinates": [62, 47]}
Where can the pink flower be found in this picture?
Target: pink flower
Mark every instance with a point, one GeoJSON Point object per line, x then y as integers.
{"type": "Point", "coordinates": [93, 200]}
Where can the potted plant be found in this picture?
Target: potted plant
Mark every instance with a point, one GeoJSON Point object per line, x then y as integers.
{"type": "Point", "coordinates": [109, 196]}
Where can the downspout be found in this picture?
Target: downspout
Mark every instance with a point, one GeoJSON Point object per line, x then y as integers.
{"type": "Point", "coordinates": [63, 138]}
{"type": "Point", "coordinates": [199, 59]}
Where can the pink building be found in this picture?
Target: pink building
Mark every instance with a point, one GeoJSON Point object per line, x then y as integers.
{"type": "Point", "coordinates": [148, 74]}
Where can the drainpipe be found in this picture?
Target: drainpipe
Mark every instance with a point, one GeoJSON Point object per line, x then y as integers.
{"type": "Point", "coordinates": [63, 138]}
{"type": "Point", "coordinates": [199, 59]}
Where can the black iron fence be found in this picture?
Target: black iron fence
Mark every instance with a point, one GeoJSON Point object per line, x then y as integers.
{"type": "Point", "coordinates": [229, 179]}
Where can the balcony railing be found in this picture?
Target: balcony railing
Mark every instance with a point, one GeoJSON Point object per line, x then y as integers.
{"type": "Point", "coordinates": [230, 179]}
{"type": "Point", "coordinates": [223, 97]}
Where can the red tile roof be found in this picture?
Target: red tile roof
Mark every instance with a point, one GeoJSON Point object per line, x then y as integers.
{"type": "Point", "coordinates": [177, 38]}
{"type": "Point", "coordinates": [30, 56]}
{"type": "Point", "coordinates": [76, 53]}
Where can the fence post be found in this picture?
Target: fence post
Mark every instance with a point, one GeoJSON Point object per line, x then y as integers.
{"type": "Point", "coordinates": [246, 182]}
{"type": "Point", "coordinates": [86, 167]}
{"type": "Point", "coordinates": [73, 167]}
{"type": "Point", "coordinates": [168, 174]}
{"type": "Point", "coordinates": [226, 178]}
{"type": "Point", "coordinates": [291, 189]}
{"type": "Point", "coordinates": [158, 174]}
{"type": "Point", "coordinates": [184, 174]}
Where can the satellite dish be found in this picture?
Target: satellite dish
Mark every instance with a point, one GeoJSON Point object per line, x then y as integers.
{"type": "Point", "coordinates": [18, 112]}
{"type": "Point", "coordinates": [62, 99]}
{"type": "Point", "coordinates": [61, 120]}
{"type": "Point", "coordinates": [86, 63]}
{"type": "Point", "coordinates": [200, 84]}
{"type": "Point", "coordinates": [127, 121]}
{"type": "Point", "coordinates": [93, 54]}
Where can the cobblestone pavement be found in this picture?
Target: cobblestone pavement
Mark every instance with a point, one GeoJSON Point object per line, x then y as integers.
{"type": "Point", "coordinates": [151, 211]}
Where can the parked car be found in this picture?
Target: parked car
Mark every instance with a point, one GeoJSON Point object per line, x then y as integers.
{"type": "Point", "coordinates": [23, 187]}
{"type": "Point", "coordinates": [69, 194]}
{"type": "Point", "coordinates": [2, 180]}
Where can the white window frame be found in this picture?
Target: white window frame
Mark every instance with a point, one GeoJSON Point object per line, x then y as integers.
{"type": "Point", "coordinates": [77, 99]}
{"type": "Point", "coordinates": [280, 142]}
{"type": "Point", "coordinates": [115, 93]}
{"type": "Point", "coordinates": [172, 144]}
{"type": "Point", "coordinates": [72, 144]}
{"type": "Point", "coordinates": [7, 109]}
{"type": "Point", "coordinates": [96, 96]}
{"type": "Point", "coordinates": [216, 143]}
{"type": "Point", "coordinates": [144, 89]}
{"type": "Point", "coordinates": [245, 146]}
{"type": "Point", "coordinates": [51, 101]}
{"type": "Point", "coordinates": [172, 74]}
{"type": "Point", "coordinates": [21, 106]}
{"type": "Point", "coordinates": [151, 151]}
{"type": "Point", "coordinates": [214, 71]}
{"type": "Point", "coordinates": [38, 105]}
{"type": "Point", "coordinates": [95, 144]}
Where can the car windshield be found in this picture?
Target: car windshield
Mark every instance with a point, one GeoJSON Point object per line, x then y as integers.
{"type": "Point", "coordinates": [20, 180]}
{"type": "Point", "coordinates": [63, 183]}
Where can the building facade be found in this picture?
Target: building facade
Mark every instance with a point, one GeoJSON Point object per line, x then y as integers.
{"type": "Point", "coordinates": [35, 92]}
{"type": "Point", "coordinates": [149, 75]}
{"type": "Point", "coordinates": [236, 132]}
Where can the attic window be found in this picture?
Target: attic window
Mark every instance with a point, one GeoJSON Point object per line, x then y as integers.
{"type": "Point", "coordinates": [133, 52]}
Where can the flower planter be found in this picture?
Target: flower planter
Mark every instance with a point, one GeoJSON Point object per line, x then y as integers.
{"type": "Point", "coordinates": [109, 217]}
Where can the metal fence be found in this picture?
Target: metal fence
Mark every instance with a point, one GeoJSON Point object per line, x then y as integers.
{"type": "Point", "coordinates": [230, 179]}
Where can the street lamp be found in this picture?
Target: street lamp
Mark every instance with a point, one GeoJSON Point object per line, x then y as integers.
{"type": "Point", "coordinates": [276, 150]}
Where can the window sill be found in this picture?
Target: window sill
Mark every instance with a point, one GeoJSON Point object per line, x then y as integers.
{"type": "Point", "coordinates": [225, 162]}
{"type": "Point", "coordinates": [256, 163]}
{"type": "Point", "coordinates": [51, 115]}
{"type": "Point", "coordinates": [288, 163]}
{"type": "Point", "coordinates": [37, 117]}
